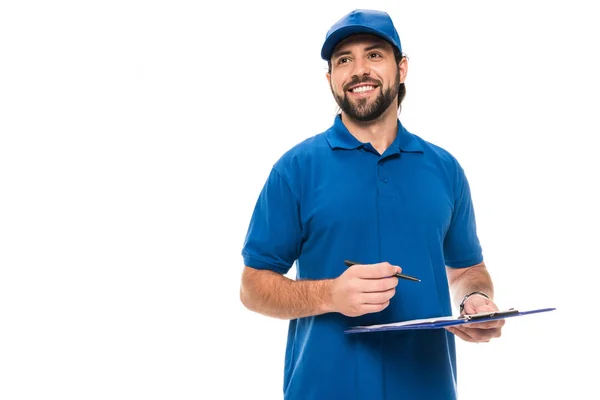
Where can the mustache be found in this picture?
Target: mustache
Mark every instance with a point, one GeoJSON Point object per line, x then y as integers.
{"type": "Point", "coordinates": [357, 81]}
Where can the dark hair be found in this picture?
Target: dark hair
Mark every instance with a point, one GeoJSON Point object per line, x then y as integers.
{"type": "Point", "coordinates": [398, 56]}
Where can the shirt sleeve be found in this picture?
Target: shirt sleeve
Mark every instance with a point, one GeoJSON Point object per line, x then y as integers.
{"type": "Point", "coordinates": [461, 244]}
{"type": "Point", "coordinates": [274, 235]}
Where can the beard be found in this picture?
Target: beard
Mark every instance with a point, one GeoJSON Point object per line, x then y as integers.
{"type": "Point", "coordinates": [363, 110]}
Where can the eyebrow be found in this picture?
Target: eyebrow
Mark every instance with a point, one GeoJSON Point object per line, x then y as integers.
{"type": "Point", "coordinates": [343, 53]}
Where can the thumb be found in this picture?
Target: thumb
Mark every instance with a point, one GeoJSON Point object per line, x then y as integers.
{"type": "Point", "coordinates": [469, 309]}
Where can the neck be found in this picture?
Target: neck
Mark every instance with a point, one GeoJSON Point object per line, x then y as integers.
{"type": "Point", "coordinates": [380, 132]}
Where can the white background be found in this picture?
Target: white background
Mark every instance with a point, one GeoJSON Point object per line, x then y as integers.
{"type": "Point", "coordinates": [135, 138]}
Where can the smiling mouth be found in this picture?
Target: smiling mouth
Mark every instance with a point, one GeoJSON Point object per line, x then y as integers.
{"type": "Point", "coordinates": [362, 89]}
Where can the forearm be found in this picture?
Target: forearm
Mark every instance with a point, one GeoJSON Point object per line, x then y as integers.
{"type": "Point", "coordinates": [275, 295]}
{"type": "Point", "coordinates": [473, 279]}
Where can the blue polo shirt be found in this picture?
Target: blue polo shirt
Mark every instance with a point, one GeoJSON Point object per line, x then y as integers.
{"type": "Point", "coordinates": [332, 198]}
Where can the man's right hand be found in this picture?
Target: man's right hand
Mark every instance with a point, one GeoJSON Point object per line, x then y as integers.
{"type": "Point", "coordinates": [364, 289]}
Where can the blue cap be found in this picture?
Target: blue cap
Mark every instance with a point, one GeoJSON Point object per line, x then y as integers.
{"type": "Point", "coordinates": [373, 22]}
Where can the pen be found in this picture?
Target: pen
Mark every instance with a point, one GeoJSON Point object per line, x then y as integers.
{"type": "Point", "coordinates": [410, 278]}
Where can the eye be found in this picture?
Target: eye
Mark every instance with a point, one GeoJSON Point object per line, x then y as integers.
{"type": "Point", "coordinates": [374, 55]}
{"type": "Point", "coordinates": [343, 60]}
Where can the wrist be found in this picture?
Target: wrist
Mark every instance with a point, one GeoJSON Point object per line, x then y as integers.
{"type": "Point", "coordinates": [327, 305]}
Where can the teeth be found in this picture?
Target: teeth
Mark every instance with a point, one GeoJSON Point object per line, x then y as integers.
{"type": "Point", "coordinates": [361, 89]}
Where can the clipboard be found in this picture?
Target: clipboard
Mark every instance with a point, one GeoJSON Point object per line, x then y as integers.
{"type": "Point", "coordinates": [442, 322]}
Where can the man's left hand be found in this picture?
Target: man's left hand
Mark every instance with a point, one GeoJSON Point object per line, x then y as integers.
{"type": "Point", "coordinates": [482, 331]}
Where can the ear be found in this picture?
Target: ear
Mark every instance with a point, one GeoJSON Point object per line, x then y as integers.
{"type": "Point", "coordinates": [403, 66]}
{"type": "Point", "coordinates": [328, 76]}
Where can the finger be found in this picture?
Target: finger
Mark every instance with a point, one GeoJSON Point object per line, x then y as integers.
{"type": "Point", "coordinates": [373, 308]}
{"type": "Point", "coordinates": [376, 271]}
{"type": "Point", "coordinates": [377, 285]}
{"type": "Point", "coordinates": [377, 297]}
{"type": "Point", "coordinates": [463, 335]}
{"type": "Point", "coordinates": [482, 335]}
{"type": "Point", "coordinates": [479, 335]}
{"type": "Point", "coordinates": [474, 309]}
{"type": "Point", "coordinates": [486, 325]}
{"type": "Point", "coordinates": [469, 335]}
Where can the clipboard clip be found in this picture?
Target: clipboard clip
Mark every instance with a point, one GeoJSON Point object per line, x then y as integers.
{"type": "Point", "coordinates": [489, 315]}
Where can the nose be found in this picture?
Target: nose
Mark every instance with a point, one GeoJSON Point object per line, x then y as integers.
{"type": "Point", "coordinates": [361, 67]}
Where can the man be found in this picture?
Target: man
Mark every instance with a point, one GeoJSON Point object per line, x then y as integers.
{"type": "Point", "coordinates": [366, 190]}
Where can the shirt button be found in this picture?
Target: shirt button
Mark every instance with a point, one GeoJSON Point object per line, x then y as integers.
{"type": "Point", "coordinates": [384, 180]}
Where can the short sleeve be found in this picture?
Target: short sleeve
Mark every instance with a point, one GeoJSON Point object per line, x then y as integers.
{"type": "Point", "coordinates": [461, 244]}
{"type": "Point", "coordinates": [274, 235]}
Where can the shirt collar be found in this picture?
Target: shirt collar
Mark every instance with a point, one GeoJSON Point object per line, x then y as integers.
{"type": "Point", "coordinates": [339, 137]}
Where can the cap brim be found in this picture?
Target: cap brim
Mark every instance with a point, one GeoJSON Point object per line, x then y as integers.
{"type": "Point", "coordinates": [336, 37]}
